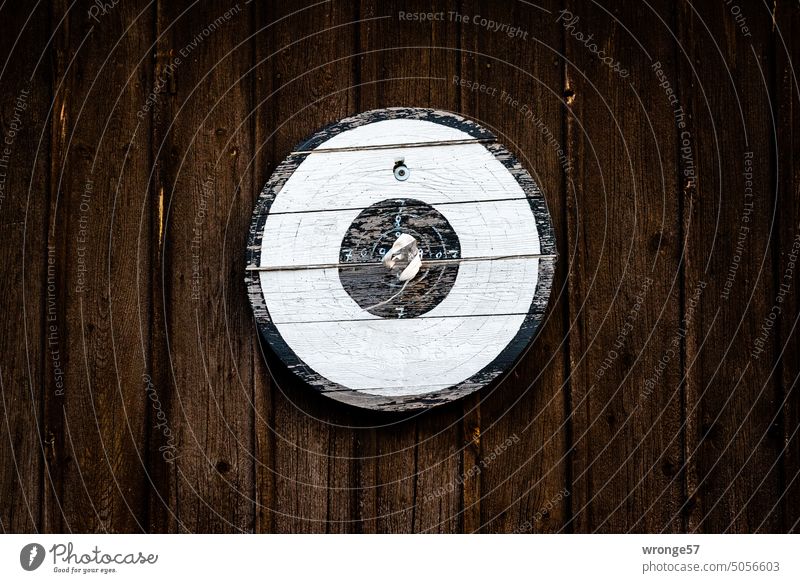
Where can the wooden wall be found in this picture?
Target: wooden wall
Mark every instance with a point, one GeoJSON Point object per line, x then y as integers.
{"type": "Point", "coordinates": [660, 395]}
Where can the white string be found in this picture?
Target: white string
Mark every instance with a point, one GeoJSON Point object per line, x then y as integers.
{"type": "Point", "coordinates": [379, 304]}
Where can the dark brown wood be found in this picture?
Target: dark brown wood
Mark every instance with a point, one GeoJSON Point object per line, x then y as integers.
{"type": "Point", "coordinates": [732, 395]}
{"type": "Point", "coordinates": [24, 167]}
{"type": "Point", "coordinates": [787, 98]}
{"type": "Point", "coordinates": [623, 225]}
{"type": "Point", "coordinates": [705, 442]}
{"type": "Point", "coordinates": [95, 425]}
{"type": "Point", "coordinates": [202, 148]}
{"type": "Point", "coordinates": [263, 162]}
{"type": "Point", "coordinates": [411, 471]}
{"type": "Point", "coordinates": [304, 466]}
{"type": "Point", "coordinates": [519, 487]}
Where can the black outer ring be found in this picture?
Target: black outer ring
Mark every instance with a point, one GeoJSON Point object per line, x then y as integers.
{"type": "Point", "coordinates": [500, 365]}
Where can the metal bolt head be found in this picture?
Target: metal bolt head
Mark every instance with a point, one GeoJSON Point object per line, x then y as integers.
{"type": "Point", "coordinates": [401, 172]}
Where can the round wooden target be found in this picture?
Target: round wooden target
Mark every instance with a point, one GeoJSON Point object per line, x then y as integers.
{"type": "Point", "coordinates": [344, 221]}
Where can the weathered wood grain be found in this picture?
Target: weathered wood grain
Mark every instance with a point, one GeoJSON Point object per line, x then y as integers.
{"type": "Point", "coordinates": [787, 96]}
{"type": "Point", "coordinates": [500, 286]}
{"type": "Point", "coordinates": [486, 230]}
{"type": "Point", "coordinates": [24, 113]}
{"type": "Point", "coordinates": [95, 425]}
{"type": "Point", "coordinates": [518, 487]}
{"type": "Point", "coordinates": [712, 446]}
{"type": "Point", "coordinates": [304, 467]}
{"type": "Point", "coordinates": [732, 396]}
{"type": "Point", "coordinates": [202, 147]}
{"type": "Point", "coordinates": [261, 164]}
{"type": "Point", "coordinates": [411, 470]}
{"type": "Point", "coordinates": [625, 274]}
{"type": "Point", "coordinates": [357, 179]}
{"type": "Point", "coordinates": [385, 128]}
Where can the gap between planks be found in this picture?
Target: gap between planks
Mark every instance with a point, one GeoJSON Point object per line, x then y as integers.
{"type": "Point", "coordinates": [394, 146]}
{"type": "Point", "coordinates": [408, 203]}
{"type": "Point", "coordinates": [420, 317]}
{"type": "Point", "coordinates": [377, 263]}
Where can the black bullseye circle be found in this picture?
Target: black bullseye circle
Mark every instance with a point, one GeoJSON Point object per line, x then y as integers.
{"type": "Point", "coordinates": [377, 290]}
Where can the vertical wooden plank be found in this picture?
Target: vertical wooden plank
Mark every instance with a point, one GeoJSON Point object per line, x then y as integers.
{"type": "Point", "coordinates": [522, 462]}
{"type": "Point", "coordinates": [24, 159]}
{"type": "Point", "coordinates": [95, 415]}
{"type": "Point", "coordinates": [731, 395]}
{"type": "Point", "coordinates": [263, 162]}
{"type": "Point", "coordinates": [471, 469]}
{"type": "Point", "coordinates": [471, 428]}
{"type": "Point", "coordinates": [410, 468]}
{"type": "Point", "coordinates": [305, 80]}
{"type": "Point", "coordinates": [202, 355]}
{"type": "Point", "coordinates": [787, 97]}
{"type": "Point", "coordinates": [162, 437]}
{"type": "Point", "coordinates": [624, 280]}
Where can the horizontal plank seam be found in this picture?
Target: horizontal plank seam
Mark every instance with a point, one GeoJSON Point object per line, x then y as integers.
{"type": "Point", "coordinates": [408, 203]}
{"type": "Point", "coordinates": [393, 146]}
{"type": "Point", "coordinates": [421, 317]}
{"type": "Point", "coordinates": [379, 264]}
